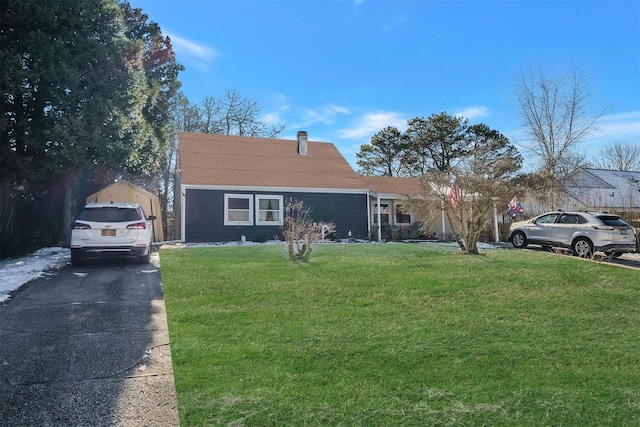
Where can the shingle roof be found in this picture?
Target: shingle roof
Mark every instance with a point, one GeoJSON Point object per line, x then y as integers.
{"type": "Point", "coordinates": [210, 159]}
{"type": "Point", "coordinates": [392, 184]}
{"type": "Point", "coordinates": [604, 188]}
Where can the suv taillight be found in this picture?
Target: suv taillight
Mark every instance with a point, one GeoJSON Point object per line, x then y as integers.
{"type": "Point", "coordinates": [80, 226]}
{"type": "Point", "coordinates": [603, 227]}
{"type": "Point", "coordinates": [138, 225]}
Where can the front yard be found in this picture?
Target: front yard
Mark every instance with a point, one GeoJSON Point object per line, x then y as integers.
{"type": "Point", "coordinates": [400, 334]}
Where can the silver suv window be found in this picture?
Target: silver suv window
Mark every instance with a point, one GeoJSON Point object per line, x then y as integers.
{"type": "Point", "coordinates": [612, 221]}
{"type": "Point", "coordinates": [547, 219]}
{"type": "Point", "coordinates": [109, 214]}
{"type": "Point", "coordinates": [571, 219]}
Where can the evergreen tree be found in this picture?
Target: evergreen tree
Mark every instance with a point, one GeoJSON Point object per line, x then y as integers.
{"type": "Point", "coordinates": [384, 155]}
{"type": "Point", "coordinates": [85, 98]}
{"type": "Point", "coordinates": [436, 142]}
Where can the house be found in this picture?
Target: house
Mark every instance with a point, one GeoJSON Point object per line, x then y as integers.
{"type": "Point", "coordinates": [232, 186]}
{"type": "Point", "coordinates": [602, 190]}
{"type": "Point", "coordinates": [124, 191]}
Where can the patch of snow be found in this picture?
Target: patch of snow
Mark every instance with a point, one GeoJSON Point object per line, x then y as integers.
{"type": "Point", "coordinates": [18, 271]}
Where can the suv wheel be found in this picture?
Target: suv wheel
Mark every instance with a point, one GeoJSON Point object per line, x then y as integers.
{"type": "Point", "coordinates": [146, 259]}
{"type": "Point", "coordinates": [582, 247]}
{"type": "Point", "coordinates": [519, 240]}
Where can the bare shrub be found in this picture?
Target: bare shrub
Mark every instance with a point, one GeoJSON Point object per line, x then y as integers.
{"type": "Point", "coordinates": [300, 231]}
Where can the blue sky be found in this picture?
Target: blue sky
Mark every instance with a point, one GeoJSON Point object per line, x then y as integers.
{"type": "Point", "coordinates": [344, 70]}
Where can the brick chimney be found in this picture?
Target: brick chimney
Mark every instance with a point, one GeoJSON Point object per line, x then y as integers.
{"type": "Point", "coordinates": [302, 143]}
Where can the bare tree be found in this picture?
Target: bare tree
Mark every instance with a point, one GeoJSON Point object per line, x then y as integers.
{"type": "Point", "coordinates": [554, 112]}
{"type": "Point", "coordinates": [619, 156]}
{"type": "Point", "coordinates": [230, 114]}
{"type": "Point", "coordinates": [210, 110]}
{"type": "Point", "coordinates": [233, 114]}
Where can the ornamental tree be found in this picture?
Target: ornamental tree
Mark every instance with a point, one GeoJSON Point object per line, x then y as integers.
{"type": "Point", "coordinates": [468, 191]}
{"type": "Point", "coordinates": [300, 231]}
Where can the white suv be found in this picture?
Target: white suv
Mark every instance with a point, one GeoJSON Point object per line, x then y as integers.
{"type": "Point", "coordinates": [111, 230]}
{"type": "Point", "coordinates": [582, 232]}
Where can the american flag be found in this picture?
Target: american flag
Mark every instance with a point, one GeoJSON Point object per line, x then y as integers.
{"type": "Point", "coordinates": [515, 207]}
{"type": "Point", "coordinates": [454, 195]}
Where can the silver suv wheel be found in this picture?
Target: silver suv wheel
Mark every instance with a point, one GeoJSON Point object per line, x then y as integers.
{"type": "Point", "coordinates": [519, 240]}
{"type": "Point", "coordinates": [582, 247]}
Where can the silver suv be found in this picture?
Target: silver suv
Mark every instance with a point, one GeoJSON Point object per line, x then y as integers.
{"type": "Point", "coordinates": [111, 230]}
{"type": "Point", "coordinates": [582, 232]}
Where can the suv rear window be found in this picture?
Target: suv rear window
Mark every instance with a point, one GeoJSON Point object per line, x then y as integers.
{"type": "Point", "coordinates": [612, 221]}
{"type": "Point", "coordinates": [109, 215]}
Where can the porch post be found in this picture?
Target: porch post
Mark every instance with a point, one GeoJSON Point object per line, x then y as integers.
{"type": "Point", "coordinates": [443, 223]}
{"type": "Point", "coordinates": [379, 220]}
{"type": "Point", "coordinates": [495, 218]}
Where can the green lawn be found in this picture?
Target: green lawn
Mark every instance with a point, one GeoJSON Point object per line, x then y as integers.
{"type": "Point", "coordinates": [401, 334]}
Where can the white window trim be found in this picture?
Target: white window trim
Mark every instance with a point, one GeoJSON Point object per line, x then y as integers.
{"type": "Point", "coordinates": [389, 208]}
{"type": "Point", "coordinates": [395, 208]}
{"type": "Point", "coordinates": [281, 210]}
{"type": "Point", "coordinates": [226, 209]}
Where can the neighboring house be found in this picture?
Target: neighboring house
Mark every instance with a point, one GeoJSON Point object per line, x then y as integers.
{"type": "Point", "coordinates": [602, 190]}
{"type": "Point", "coordinates": [229, 187]}
{"type": "Point", "coordinates": [124, 191]}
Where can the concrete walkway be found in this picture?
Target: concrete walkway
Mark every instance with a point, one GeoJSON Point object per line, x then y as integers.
{"type": "Point", "coordinates": [88, 347]}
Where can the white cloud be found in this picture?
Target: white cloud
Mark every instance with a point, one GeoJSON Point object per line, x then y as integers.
{"type": "Point", "coordinates": [279, 105]}
{"type": "Point", "coordinates": [280, 98]}
{"type": "Point", "coordinates": [326, 114]}
{"type": "Point", "coordinates": [199, 55]}
{"type": "Point", "coordinates": [473, 112]}
{"type": "Point", "coordinates": [620, 127]}
{"type": "Point", "coordinates": [371, 123]}
{"type": "Point", "coordinates": [271, 118]}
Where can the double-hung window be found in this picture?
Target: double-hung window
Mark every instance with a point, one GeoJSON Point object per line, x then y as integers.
{"type": "Point", "coordinates": [238, 209]}
{"type": "Point", "coordinates": [269, 210]}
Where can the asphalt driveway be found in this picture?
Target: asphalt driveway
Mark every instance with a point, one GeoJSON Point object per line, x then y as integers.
{"type": "Point", "coordinates": [88, 346]}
